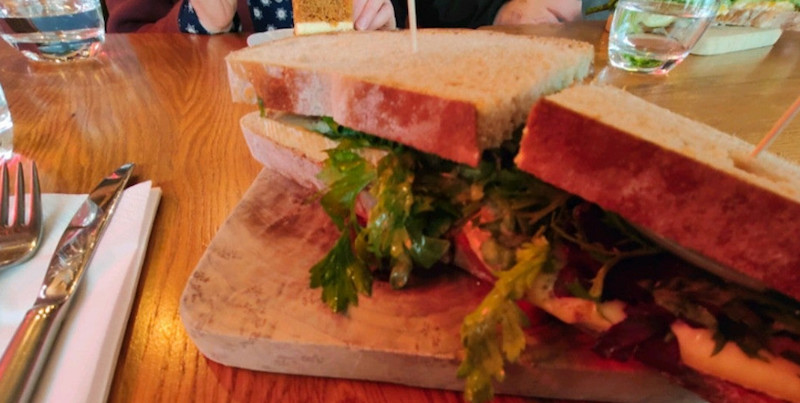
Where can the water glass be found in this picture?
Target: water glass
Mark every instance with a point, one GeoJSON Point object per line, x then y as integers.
{"type": "Point", "coordinates": [53, 30]}
{"type": "Point", "coordinates": [6, 129]}
{"type": "Point", "coordinates": [653, 36]}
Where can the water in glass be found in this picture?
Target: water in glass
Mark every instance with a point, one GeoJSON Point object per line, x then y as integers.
{"type": "Point", "coordinates": [653, 36]}
{"type": "Point", "coordinates": [53, 30]}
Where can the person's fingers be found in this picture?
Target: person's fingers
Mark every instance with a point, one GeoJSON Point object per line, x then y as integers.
{"type": "Point", "coordinates": [385, 18]}
{"type": "Point", "coordinates": [365, 19]}
{"type": "Point", "coordinates": [358, 8]}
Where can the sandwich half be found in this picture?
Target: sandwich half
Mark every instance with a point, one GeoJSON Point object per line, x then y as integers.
{"type": "Point", "coordinates": [414, 157]}
{"type": "Point", "coordinates": [731, 335]}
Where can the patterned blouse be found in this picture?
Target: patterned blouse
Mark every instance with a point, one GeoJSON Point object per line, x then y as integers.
{"type": "Point", "coordinates": [267, 15]}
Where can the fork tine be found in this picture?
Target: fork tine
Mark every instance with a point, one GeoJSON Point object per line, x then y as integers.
{"type": "Point", "coordinates": [4, 196]}
{"type": "Point", "coordinates": [20, 240]}
{"type": "Point", "coordinates": [36, 199]}
{"type": "Point", "coordinates": [19, 213]}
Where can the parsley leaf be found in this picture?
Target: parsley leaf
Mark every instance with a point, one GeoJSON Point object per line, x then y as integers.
{"type": "Point", "coordinates": [341, 275]}
{"type": "Point", "coordinates": [493, 333]}
{"type": "Point", "coordinates": [347, 174]}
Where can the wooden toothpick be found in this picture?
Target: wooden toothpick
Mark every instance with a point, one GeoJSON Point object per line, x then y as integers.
{"type": "Point", "coordinates": [412, 23]}
{"type": "Point", "coordinates": [777, 128]}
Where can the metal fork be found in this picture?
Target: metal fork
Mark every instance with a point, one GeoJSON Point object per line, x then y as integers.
{"type": "Point", "coordinates": [19, 239]}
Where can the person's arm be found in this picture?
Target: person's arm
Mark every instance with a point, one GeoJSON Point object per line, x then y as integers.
{"type": "Point", "coordinates": [538, 11]}
{"type": "Point", "coordinates": [143, 15]}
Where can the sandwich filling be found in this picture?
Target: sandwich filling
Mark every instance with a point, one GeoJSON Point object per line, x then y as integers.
{"type": "Point", "coordinates": [539, 244]}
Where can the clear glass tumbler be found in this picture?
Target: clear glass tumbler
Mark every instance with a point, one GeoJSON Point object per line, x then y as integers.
{"type": "Point", "coordinates": [6, 129]}
{"type": "Point", "coordinates": [653, 36]}
{"type": "Point", "coordinates": [53, 30]}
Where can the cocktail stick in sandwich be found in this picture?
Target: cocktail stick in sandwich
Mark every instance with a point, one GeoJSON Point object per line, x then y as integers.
{"type": "Point", "coordinates": [416, 170]}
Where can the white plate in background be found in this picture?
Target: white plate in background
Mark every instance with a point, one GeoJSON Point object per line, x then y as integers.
{"type": "Point", "coordinates": [262, 37]}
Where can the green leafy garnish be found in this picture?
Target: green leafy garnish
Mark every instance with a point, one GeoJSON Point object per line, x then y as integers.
{"type": "Point", "coordinates": [493, 333]}
{"type": "Point", "coordinates": [356, 139]}
{"type": "Point", "coordinates": [348, 175]}
{"type": "Point", "coordinates": [342, 276]}
{"type": "Point", "coordinates": [386, 232]}
{"type": "Point", "coordinates": [643, 62]}
{"type": "Point", "coordinates": [406, 225]}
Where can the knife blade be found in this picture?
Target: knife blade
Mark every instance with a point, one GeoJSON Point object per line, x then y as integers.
{"type": "Point", "coordinates": [29, 348]}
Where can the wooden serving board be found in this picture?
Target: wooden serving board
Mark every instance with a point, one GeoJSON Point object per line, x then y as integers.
{"type": "Point", "coordinates": [248, 305]}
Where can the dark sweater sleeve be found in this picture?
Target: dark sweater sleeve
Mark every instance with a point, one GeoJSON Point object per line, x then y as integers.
{"type": "Point", "coordinates": [143, 15]}
{"type": "Point", "coordinates": [449, 13]}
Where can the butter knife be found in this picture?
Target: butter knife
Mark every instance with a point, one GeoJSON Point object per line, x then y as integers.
{"type": "Point", "coordinates": [26, 354]}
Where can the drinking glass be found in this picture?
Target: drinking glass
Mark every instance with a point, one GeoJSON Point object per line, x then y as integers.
{"type": "Point", "coordinates": [53, 30]}
{"type": "Point", "coordinates": [653, 36]}
{"type": "Point", "coordinates": [6, 129]}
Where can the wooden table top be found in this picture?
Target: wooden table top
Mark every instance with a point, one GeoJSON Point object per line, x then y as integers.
{"type": "Point", "coordinates": [162, 101]}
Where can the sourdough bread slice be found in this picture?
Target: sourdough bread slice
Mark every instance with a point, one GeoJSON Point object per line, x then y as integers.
{"type": "Point", "coordinates": [463, 91]}
{"type": "Point", "coordinates": [673, 176]}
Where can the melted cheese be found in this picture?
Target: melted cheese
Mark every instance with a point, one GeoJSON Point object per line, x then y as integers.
{"type": "Point", "coordinates": [776, 376]}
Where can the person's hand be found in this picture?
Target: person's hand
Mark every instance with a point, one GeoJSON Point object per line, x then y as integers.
{"type": "Point", "coordinates": [215, 15]}
{"type": "Point", "coordinates": [373, 14]}
{"type": "Point", "coordinates": [538, 12]}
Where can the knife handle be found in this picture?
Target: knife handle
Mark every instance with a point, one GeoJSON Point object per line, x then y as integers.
{"type": "Point", "coordinates": [27, 352]}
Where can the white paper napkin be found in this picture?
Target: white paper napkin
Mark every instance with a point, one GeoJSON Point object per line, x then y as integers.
{"type": "Point", "coordinates": [84, 355]}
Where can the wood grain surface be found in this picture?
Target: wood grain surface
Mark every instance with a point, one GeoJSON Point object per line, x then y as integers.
{"type": "Point", "coordinates": [162, 101]}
